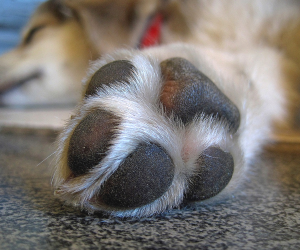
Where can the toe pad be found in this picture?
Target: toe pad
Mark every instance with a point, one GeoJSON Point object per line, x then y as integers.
{"type": "Point", "coordinates": [142, 178]}
{"type": "Point", "coordinates": [188, 92]}
{"type": "Point", "coordinates": [116, 71]}
{"type": "Point", "coordinates": [215, 169]}
{"type": "Point", "coordinates": [90, 141]}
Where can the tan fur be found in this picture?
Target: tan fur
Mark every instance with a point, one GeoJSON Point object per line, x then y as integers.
{"type": "Point", "coordinates": [58, 53]}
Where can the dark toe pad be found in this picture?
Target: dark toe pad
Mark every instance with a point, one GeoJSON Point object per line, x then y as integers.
{"type": "Point", "coordinates": [188, 92]}
{"type": "Point", "coordinates": [90, 141]}
{"type": "Point", "coordinates": [215, 169]}
{"type": "Point", "coordinates": [116, 71]}
{"type": "Point", "coordinates": [144, 176]}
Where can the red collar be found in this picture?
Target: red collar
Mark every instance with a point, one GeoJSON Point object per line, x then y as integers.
{"type": "Point", "coordinates": [152, 34]}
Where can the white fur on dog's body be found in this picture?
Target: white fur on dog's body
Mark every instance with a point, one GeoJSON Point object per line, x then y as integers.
{"type": "Point", "coordinates": [249, 48]}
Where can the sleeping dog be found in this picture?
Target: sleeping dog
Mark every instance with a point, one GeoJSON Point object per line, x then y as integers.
{"type": "Point", "coordinates": [177, 122]}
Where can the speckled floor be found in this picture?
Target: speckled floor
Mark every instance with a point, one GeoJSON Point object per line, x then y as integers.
{"type": "Point", "coordinates": [264, 214]}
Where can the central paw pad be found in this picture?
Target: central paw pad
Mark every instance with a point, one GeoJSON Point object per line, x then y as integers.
{"type": "Point", "coordinates": [118, 171]}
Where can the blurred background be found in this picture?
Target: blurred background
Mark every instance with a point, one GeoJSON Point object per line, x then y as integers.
{"type": "Point", "coordinates": [14, 15]}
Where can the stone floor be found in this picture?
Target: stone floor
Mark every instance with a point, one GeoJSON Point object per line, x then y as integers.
{"type": "Point", "coordinates": [263, 214]}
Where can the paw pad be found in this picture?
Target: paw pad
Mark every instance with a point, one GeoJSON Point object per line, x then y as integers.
{"type": "Point", "coordinates": [214, 171]}
{"type": "Point", "coordinates": [188, 92]}
{"type": "Point", "coordinates": [117, 71]}
{"type": "Point", "coordinates": [143, 177]}
{"type": "Point", "coordinates": [90, 141]}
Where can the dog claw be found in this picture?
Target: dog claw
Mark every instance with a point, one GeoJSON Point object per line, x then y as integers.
{"type": "Point", "coordinates": [116, 71]}
{"type": "Point", "coordinates": [144, 176]}
{"type": "Point", "coordinates": [90, 141]}
{"type": "Point", "coordinates": [214, 173]}
{"type": "Point", "coordinates": [188, 92]}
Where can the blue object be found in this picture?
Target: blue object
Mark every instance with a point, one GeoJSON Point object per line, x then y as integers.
{"type": "Point", "coordinates": [14, 15]}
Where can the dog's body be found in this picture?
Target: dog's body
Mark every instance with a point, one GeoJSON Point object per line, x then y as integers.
{"type": "Point", "coordinates": [171, 123]}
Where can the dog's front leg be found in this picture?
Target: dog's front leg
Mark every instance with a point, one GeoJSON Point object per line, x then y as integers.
{"type": "Point", "coordinates": [152, 132]}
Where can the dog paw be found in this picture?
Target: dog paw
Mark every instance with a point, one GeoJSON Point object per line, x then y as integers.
{"type": "Point", "coordinates": [146, 137]}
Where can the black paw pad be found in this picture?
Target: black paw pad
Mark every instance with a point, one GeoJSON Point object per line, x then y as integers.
{"type": "Point", "coordinates": [188, 92]}
{"type": "Point", "coordinates": [214, 173]}
{"type": "Point", "coordinates": [90, 141]}
{"type": "Point", "coordinates": [144, 176]}
{"type": "Point", "coordinates": [117, 71]}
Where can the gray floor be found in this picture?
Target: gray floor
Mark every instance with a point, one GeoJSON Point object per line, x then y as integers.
{"type": "Point", "coordinates": [264, 214]}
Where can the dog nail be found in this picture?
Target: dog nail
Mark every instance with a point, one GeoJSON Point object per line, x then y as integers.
{"type": "Point", "coordinates": [214, 173]}
{"type": "Point", "coordinates": [90, 141]}
{"type": "Point", "coordinates": [117, 71]}
{"type": "Point", "coordinates": [188, 92]}
{"type": "Point", "coordinates": [143, 177]}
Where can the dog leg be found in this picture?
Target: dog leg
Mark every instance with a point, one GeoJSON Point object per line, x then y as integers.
{"type": "Point", "coordinates": [148, 135]}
